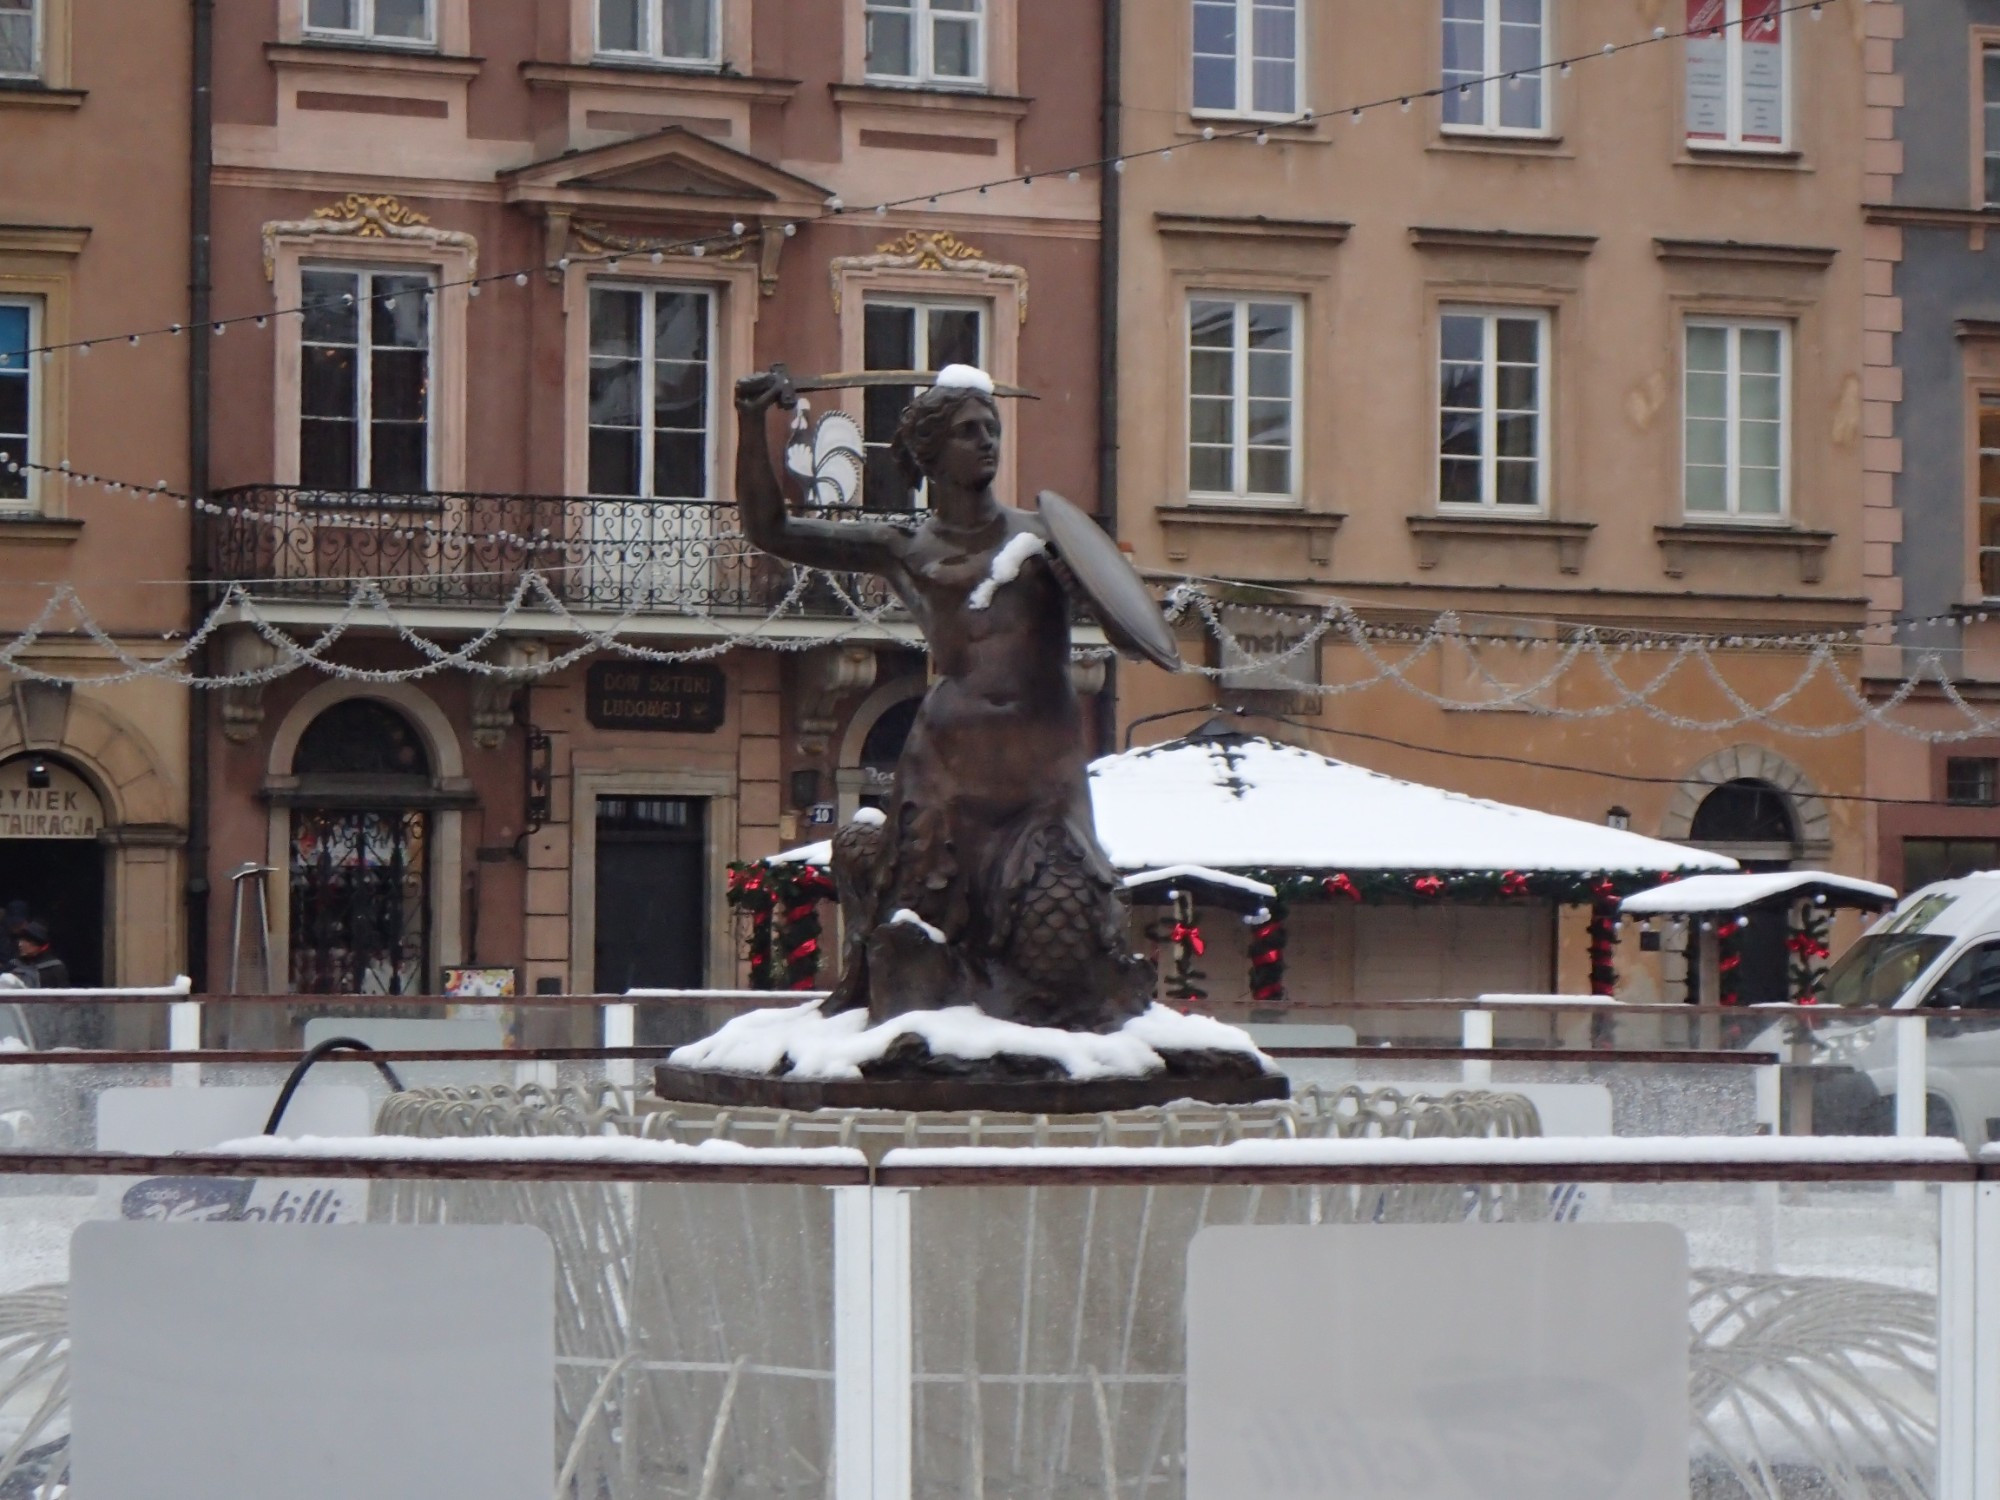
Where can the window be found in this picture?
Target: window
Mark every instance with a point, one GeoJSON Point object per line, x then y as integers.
{"type": "Point", "coordinates": [1243, 383]}
{"type": "Point", "coordinates": [678, 31]}
{"type": "Point", "coordinates": [907, 336]}
{"type": "Point", "coordinates": [1736, 91]}
{"type": "Point", "coordinates": [651, 379]}
{"type": "Point", "coordinates": [1928, 860]}
{"type": "Point", "coordinates": [17, 397]}
{"type": "Point", "coordinates": [399, 23]}
{"type": "Point", "coordinates": [927, 41]}
{"type": "Point", "coordinates": [1990, 70]}
{"type": "Point", "coordinates": [20, 50]}
{"type": "Point", "coordinates": [1971, 983]}
{"type": "Point", "coordinates": [1246, 57]}
{"type": "Point", "coordinates": [1492, 408]}
{"type": "Point", "coordinates": [1972, 780]}
{"type": "Point", "coordinates": [365, 381]}
{"type": "Point", "coordinates": [1735, 429]}
{"type": "Point", "coordinates": [1483, 41]}
{"type": "Point", "coordinates": [1989, 494]}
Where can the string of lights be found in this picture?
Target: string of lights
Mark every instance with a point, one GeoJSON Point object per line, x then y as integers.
{"type": "Point", "coordinates": [738, 232]}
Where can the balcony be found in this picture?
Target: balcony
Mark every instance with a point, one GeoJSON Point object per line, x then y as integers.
{"type": "Point", "coordinates": [472, 551]}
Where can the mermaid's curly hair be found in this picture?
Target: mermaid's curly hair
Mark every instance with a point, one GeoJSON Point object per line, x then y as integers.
{"type": "Point", "coordinates": [920, 433]}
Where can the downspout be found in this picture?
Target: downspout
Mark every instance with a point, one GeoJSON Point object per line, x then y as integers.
{"type": "Point", "coordinates": [1112, 147]}
{"type": "Point", "coordinates": [200, 316]}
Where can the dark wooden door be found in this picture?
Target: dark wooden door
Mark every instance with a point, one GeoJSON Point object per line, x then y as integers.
{"type": "Point", "coordinates": [652, 906]}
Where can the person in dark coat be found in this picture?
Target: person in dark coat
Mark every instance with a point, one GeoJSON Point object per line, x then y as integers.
{"type": "Point", "coordinates": [36, 961]}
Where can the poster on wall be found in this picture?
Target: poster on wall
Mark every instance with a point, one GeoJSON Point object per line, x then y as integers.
{"type": "Point", "coordinates": [1707, 71]}
{"type": "Point", "coordinates": [1763, 72]}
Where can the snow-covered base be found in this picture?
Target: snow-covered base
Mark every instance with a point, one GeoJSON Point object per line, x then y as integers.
{"type": "Point", "coordinates": [825, 1047]}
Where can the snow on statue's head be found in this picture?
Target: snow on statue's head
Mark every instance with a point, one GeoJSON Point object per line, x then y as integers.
{"type": "Point", "coordinates": [926, 421]}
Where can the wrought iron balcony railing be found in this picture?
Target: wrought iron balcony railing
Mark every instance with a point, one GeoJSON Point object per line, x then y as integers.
{"type": "Point", "coordinates": [670, 557]}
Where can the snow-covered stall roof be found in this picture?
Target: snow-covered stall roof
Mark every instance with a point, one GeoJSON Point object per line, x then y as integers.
{"type": "Point", "coordinates": [1242, 802]}
{"type": "Point", "coordinates": [1738, 892]}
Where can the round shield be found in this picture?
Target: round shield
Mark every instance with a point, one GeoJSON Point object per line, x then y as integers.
{"type": "Point", "coordinates": [1127, 612]}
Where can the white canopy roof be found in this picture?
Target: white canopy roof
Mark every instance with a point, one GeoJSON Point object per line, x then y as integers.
{"type": "Point", "coordinates": [1734, 892]}
{"type": "Point", "coordinates": [1237, 802]}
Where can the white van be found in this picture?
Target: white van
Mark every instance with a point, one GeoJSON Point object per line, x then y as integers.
{"type": "Point", "coordinates": [1938, 949]}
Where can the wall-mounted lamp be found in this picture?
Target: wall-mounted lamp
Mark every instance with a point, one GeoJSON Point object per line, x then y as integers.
{"type": "Point", "coordinates": [1619, 818]}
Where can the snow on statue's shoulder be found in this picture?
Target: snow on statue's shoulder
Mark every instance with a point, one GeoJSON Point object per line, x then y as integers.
{"type": "Point", "coordinates": [1006, 567]}
{"type": "Point", "coordinates": [808, 1044]}
{"type": "Point", "coordinates": [965, 378]}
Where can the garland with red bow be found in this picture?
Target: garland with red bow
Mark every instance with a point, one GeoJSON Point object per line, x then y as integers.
{"type": "Point", "coordinates": [798, 903]}
{"type": "Point", "coordinates": [751, 891]}
{"type": "Point", "coordinates": [1807, 943]}
{"type": "Point", "coordinates": [1184, 945]}
{"type": "Point", "coordinates": [1729, 959]}
{"type": "Point", "coordinates": [1604, 938]}
{"type": "Point", "coordinates": [1267, 955]}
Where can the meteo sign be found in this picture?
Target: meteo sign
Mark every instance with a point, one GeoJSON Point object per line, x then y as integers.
{"type": "Point", "coordinates": [64, 809]}
{"type": "Point", "coordinates": [686, 699]}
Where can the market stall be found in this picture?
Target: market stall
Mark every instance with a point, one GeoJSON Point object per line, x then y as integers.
{"type": "Point", "coordinates": [1383, 889]}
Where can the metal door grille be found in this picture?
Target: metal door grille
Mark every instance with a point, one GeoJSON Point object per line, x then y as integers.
{"type": "Point", "coordinates": [360, 902]}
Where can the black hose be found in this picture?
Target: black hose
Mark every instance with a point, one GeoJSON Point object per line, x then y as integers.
{"type": "Point", "coordinates": [317, 1054]}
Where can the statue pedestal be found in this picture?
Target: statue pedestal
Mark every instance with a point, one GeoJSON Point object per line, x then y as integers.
{"type": "Point", "coordinates": [993, 1091]}
{"type": "Point", "coordinates": [960, 1058]}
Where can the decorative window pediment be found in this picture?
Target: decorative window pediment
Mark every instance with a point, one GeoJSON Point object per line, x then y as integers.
{"type": "Point", "coordinates": [368, 216]}
{"type": "Point", "coordinates": [931, 250]}
{"type": "Point", "coordinates": [674, 173]}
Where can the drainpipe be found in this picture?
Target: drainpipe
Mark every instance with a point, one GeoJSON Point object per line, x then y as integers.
{"type": "Point", "coordinates": [201, 125]}
{"type": "Point", "coordinates": [1107, 332]}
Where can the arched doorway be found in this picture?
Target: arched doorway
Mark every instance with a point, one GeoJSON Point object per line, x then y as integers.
{"type": "Point", "coordinates": [359, 864]}
{"type": "Point", "coordinates": [1756, 824]}
{"type": "Point", "coordinates": [52, 863]}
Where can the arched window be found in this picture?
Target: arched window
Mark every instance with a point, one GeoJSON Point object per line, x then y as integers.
{"type": "Point", "coordinates": [360, 846]}
{"type": "Point", "coordinates": [884, 745]}
{"type": "Point", "coordinates": [1745, 812]}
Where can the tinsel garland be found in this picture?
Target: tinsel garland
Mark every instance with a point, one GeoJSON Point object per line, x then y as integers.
{"type": "Point", "coordinates": [1267, 955]}
{"type": "Point", "coordinates": [1809, 949]}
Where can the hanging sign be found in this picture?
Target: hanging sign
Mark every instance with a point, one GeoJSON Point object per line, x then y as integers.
{"type": "Point", "coordinates": [1707, 71]}
{"type": "Point", "coordinates": [44, 799]}
{"type": "Point", "coordinates": [685, 699]}
{"type": "Point", "coordinates": [1764, 72]}
{"type": "Point", "coordinates": [1265, 650]}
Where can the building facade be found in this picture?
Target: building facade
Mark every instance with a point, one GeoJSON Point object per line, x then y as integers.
{"type": "Point", "coordinates": [1510, 367]}
{"type": "Point", "coordinates": [1934, 331]}
{"type": "Point", "coordinates": [94, 243]}
{"type": "Point", "coordinates": [536, 241]}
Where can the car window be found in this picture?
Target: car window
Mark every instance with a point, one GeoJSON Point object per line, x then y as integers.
{"type": "Point", "coordinates": [1971, 983]}
{"type": "Point", "coordinates": [1879, 967]}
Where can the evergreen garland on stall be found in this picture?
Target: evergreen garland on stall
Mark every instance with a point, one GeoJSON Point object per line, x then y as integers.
{"type": "Point", "coordinates": [1729, 961]}
{"type": "Point", "coordinates": [750, 892]}
{"type": "Point", "coordinates": [1267, 955]}
{"type": "Point", "coordinates": [1604, 938]}
{"type": "Point", "coordinates": [1184, 944]}
{"type": "Point", "coordinates": [800, 889]}
{"type": "Point", "coordinates": [1807, 943]}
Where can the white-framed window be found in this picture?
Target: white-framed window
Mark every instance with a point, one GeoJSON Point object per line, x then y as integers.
{"type": "Point", "coordinates": [1246, 57]}
{"type": "Point", "coordinates": [667, 31]}
{"type": "Point", "coordinates": [1989, 72]}
{"type": "Point", "coordinates": [926, 41]}
{"type": "Point", "coordinates": [365, 379]}
{"type": "Point", "coordinates": [395, 23]}
{"type": "Point", "coordinates": [20, 330]}
{"type": "Point", "coordinates": [1737, 392]}
{"type": "Point", "coordinates": [1738, 94]}
{"type": "Point", "coordinates": [20, 39]}
{"type": "Point", "coordinates": [901, 333]}
{"type": "Point", "coordinates": [1243, 395]}
{"type": "Point", "coordinates": [1493, 407]}
{"type": "Point", "coordinates": [652, 392]}
{"type": "Point", "coordinates": [1493, 55]}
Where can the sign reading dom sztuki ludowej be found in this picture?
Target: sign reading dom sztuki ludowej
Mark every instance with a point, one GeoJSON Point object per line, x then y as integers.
{"type": "Point", "coordinates": [684, 699]}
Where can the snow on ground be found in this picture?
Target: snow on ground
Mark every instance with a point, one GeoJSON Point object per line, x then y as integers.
{"type": "Point", "coordinates": [822, 1046]}
{"type": "Point", "coordinates": [621, 1149]}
